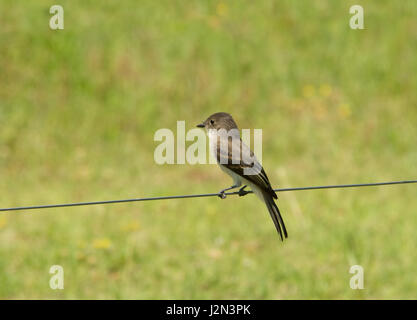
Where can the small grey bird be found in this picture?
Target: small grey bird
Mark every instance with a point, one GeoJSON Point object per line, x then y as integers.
{"type": "Point", "coordinates": [238, 161]}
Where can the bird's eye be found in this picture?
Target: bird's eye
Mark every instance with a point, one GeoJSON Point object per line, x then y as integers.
{"type": "Point", "coordinates": [212, 121]}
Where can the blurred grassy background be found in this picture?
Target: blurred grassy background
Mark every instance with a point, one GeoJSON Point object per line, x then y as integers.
{"type": "Point", "coordinates": [79, 108]}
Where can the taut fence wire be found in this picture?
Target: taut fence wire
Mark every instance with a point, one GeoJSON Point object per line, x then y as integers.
{"type": "Point", "coordinates": [77, 204]}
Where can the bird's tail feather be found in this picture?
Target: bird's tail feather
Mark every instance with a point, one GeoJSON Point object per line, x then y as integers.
{"type": "Point", "coordinates": [276, 216]}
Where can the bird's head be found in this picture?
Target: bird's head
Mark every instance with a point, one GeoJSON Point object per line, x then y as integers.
{"type": "Point", "coordinates": [217, 121]}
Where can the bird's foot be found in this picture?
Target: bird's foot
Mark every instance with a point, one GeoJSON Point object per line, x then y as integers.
{"type": "Point", "coordinates": [243, 192]}
{"type": "Point", "coordinates": [222, 195]}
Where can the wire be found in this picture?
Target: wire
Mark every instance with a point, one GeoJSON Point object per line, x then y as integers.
{"type": "Point", "coordinates": [203, 195]}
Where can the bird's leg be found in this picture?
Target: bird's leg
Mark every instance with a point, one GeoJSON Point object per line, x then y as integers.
{"type": "Point", "coordinates": [243, 192]}
{"type": "Point", "coordinates": [221, 193]}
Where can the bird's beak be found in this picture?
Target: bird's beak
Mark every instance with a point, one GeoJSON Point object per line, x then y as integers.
{"type": "Point", "coordinates": [201, 125]}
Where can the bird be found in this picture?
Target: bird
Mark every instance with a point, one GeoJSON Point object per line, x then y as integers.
{"type": "Point", "coordinates": [237, 160]}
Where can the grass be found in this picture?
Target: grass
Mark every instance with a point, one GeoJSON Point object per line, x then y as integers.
{"type": "Point", "coordinates": [79, 108]}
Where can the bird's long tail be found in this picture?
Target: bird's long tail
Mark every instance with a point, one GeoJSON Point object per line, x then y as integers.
{"type": "Point", "coordinates": [275, 215]}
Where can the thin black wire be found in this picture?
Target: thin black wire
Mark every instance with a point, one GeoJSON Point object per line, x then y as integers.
{"type": "Point", "coordinates": [202, 195]}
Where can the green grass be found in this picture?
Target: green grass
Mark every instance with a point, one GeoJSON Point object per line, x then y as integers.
{"type": "Point", "coordinates": [79, 108]}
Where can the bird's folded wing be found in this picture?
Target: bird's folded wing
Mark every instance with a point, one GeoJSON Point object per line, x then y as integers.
{"type": "Point", "coordinates": [238, 157]}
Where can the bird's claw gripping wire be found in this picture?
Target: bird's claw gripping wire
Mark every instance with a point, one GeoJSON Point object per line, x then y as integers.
{"type": "Point", "coordinates": [243, 192]}
{"type": "Point", "coordinates": [222, 195]}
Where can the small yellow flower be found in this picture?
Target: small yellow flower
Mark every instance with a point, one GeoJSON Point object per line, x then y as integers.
{"type": "Point", "coordinates": [222, 9]}
{"type": "Point", "coordinates": [344, 110]}
{"type": "Point", "coordinates": [309, 91]}
{"type": "Point", "coordinates": [325, 90]}
{"type": "Point", "coordinates": [103, 243]}
{"type": "Point", "coordinates": [3, 222]}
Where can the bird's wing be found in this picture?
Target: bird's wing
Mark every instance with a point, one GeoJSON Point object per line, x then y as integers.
{"type": "Point", "coordinates": [239, 158]}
